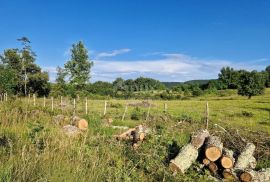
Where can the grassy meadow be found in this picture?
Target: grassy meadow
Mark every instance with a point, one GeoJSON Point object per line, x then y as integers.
{"type": "Point", "coordinates": [33, 148]}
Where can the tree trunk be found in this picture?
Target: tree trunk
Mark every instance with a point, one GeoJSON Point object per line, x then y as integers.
{"type": "Point", "coordinates": [213, 149]}
{"type": "Point", "coordinates": [245, 157]}
{"type": "Point", "coordinates": [184, 159]}
{"type": "Point", "coordinates": [198, 138]}
{"type": "Point", "coordinates": [227, 159]}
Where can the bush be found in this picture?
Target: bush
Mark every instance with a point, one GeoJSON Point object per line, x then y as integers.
{"type": "Point", "coordinates": [136, 114]}
{"type": "Point", "coordinates": [247, 114]}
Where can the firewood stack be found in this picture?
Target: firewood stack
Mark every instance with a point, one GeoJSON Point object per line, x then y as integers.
{"type": "Point", "coordinates": [219, 160]}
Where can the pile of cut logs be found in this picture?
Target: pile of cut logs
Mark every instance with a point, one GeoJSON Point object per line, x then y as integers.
{"type": "Point", "coordinates": [220, 161]}
{"type": "Point", "coordinates": [136, 135]}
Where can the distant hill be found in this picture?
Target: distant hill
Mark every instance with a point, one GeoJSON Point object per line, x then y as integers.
{"type": "Point", "coordinates": [199, 82]}
{"type": "Point", "coordinates": [192, 82]}
{"type": "Point", "coordinates": [171, 84]}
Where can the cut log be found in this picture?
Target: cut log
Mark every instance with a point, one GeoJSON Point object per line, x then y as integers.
{"type": "Point", "coordinates": [138, 133]}
{"type": "Point", "coordinates": [206, 162]}
{"type": "Point", "coordinates": [198, 138]}
{"type": "Point", "coordinates": [126, 135]}
{"type": "Point", "coordinates": [262, 175]}
{"type": "Point", "coordinates": [229, 175]}
{"type": "Point", "coordinates": [184, 159]}
{"type": "Point", "coordinates": [256, 176]}
{"type": "Point", "coordinates": [244, 158]}
{"type": "Point", "coordinates": [227, 159]}
{"type": "Point", "coordinates": [79, 122]}
{"type": "Point", "coordinates": [71, 131]}
{"type": "Point", "coordinates": [120, 127]}
{"type": "Point", "coordinates": [213, 168]}
{"type": "Point", "coordinates": [252, 163]}
{"type": "Point", "coordinates": [213, 149]}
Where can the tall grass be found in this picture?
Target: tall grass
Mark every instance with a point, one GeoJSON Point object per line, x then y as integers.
{"type": "Point", "coordinates": [33, 148]}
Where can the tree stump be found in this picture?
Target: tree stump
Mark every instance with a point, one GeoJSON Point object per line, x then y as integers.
{"type": "Point", "coordinates": [227, 160]}
{"type": "Point", "coordinates": [198, 138]}
{"type": "Point", "coordinates": [213, 149]}
{"type": "Point", "coordinates": [245, 157]}
{"type": "Point", "coordinates": [184, 159]}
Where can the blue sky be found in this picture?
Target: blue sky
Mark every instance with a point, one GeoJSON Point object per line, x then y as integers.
{"type": "Point", "coordinates": [170, 40]}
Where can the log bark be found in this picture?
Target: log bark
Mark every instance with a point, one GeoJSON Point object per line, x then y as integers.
{"type": "Point", "coordinates": [214, 148]}
{"type": "Point", "coordinates": [252, 163]}
{"type": "Point", "coordinates": [244, 158]}
{"type": "Point", "coordinates": [184, 159]}
{"type": "Point", "coordinates": [198, 138]}
{"type": "Point", "coordinates": [71, 130]}
{"type": "Point", "coordinates": [256, 176]}
{"type": "Point", "coordinates": [229, 175]}
{"type": "Point", "coordinates": [227, 160]}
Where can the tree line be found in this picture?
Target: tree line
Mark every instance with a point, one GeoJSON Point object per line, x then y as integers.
{"type": "Point", "coordinates": [19, 74]}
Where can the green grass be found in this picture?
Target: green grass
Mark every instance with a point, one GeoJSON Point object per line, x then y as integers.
{"type": "Point", "coordinates": [32, 148]}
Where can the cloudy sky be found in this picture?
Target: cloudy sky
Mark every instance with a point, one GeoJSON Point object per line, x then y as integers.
{"type": "Point", "coordinates": [167, 40]}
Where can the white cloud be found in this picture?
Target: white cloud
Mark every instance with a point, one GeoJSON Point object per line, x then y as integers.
{"type": "Point", "coordinates": [169, 67]}
{"type": "Point", "coordinates": [112, 53]}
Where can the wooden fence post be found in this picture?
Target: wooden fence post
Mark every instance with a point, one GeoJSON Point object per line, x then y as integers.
{"type": "Point", "coordinates": [165, 107]}
{"type": "Point", "coordinates": [52, 103]}
{"type": "Point", "coordinates": [86, 106]}
{"type": "Point", "coordinates": [105, 108]}
{"type": "Point", "coordinates": [34, 98]}
{"type": "Point", "coordinates": [123, 117]}
{"type": "Point", "coordinates": [74, 106]}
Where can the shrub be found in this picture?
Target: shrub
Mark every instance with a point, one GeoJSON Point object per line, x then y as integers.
{"type": "Point", "coordinates": [247, 114]}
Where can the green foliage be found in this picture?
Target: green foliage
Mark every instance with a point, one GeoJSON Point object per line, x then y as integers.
{"type": "Point", "coordinates": [78, 67]}
{"type": "Point", "coordinates": [8, 80]}
{"type": "Point", "coordinates": [267, 70]}
{"type": "Point", "coordinates": [101, 88]}
{"type": "Point", "coordinates": [251, 83]}
{"type": "Point", "coordinates": [21, 62]}
{"type": "Point", "coordinates": [229, 77]}
{"type": "Point", "coordinates": [136, 114]}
